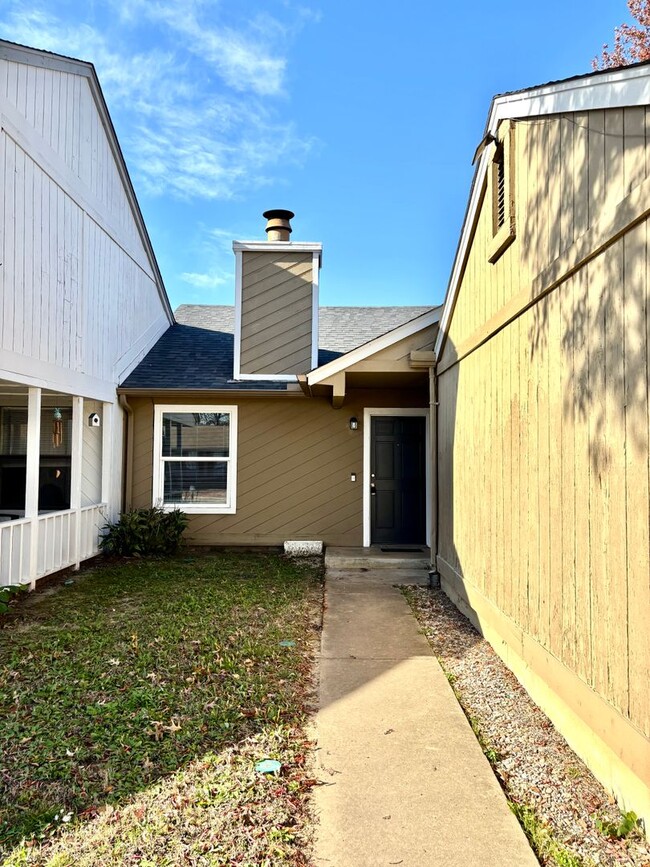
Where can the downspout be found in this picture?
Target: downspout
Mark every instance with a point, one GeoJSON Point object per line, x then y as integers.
{"type": "Point", "coordinates": [434, 575]}
{"type": "Point", "coordinates": [127, 489]}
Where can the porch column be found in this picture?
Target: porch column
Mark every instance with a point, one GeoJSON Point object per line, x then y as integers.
{"type": "Point", "coordinates": [107, 455]}
{"type": "Point", "coordinates": [33, 460]}
{"type": "Point", "coordinates": [75, 473]}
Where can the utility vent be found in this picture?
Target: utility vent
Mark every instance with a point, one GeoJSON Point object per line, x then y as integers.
{"type": "Point", "coordinates": [501, 189]}
{"type": "Point", "coordinates": [303, 549]}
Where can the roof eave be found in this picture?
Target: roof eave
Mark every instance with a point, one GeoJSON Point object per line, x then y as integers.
{"type": "Point", "coordinates": [209, 392]}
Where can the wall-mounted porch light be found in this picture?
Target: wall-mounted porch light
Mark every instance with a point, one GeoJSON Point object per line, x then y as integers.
{"type": "Point", "coordinates": [354, 424]}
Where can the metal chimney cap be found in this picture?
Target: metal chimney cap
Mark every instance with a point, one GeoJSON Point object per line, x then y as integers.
{"type": "Point", "coordinates": [278, 227]}
{"type": "Point", "coordinates": [278, 214]}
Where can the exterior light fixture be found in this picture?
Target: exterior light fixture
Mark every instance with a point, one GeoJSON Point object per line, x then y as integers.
{"type": "Point", "coordinates": [354, 424]}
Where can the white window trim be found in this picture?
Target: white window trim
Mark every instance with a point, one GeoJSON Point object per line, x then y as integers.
{"type": "Point", "coordinates": [236, 372]}
{"type": "Point", "coordinates": [265, 377]}
{"type": "Point", "coordinates": [368, 413]}
{"type": "Point", "coordinates": [230, 507]}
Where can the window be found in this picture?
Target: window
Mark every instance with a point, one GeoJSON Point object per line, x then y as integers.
{"type": "Point", "coordinates": [195, 465]}
{"type": "Point", "coordinates": [501, 191]}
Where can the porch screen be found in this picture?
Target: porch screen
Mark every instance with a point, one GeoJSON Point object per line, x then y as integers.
{"type": "Point", "coordinates": [54, 462]}
{"type": "Point", "coordinates": [196, 457]}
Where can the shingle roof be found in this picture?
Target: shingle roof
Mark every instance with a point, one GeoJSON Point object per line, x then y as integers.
{"type": "Point", "coordinates": [341, 329]}
{"type": "Point", "coordinates": [190, 357]}
{"type": "Point", "coordinates": [197, 352]}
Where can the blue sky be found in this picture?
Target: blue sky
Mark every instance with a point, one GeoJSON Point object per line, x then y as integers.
{"type": "Point", "coordinates": [361, 117]}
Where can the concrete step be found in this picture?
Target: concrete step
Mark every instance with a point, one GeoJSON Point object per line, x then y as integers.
{"type": "Point", "coordinates": [375, 558]}
{"type": "Point", "coordinates": [363, 577]}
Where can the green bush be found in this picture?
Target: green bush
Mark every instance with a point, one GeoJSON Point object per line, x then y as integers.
{"type": "Point", "coordinates": [140, 532]}
{"type": "Point", "coordinates": [7, 593]}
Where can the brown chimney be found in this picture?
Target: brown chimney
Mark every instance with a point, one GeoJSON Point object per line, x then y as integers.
{"type": "Point", "coordinates": [278, 226]}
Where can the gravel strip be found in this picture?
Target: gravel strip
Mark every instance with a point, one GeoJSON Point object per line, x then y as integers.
{"type": "Point", "coordinates": [533, 762]}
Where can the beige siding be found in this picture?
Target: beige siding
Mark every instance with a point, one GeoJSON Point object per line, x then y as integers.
{"type": "Point", "coordinates": [396, 358]}
{"type": "Point", "coordinates": [276, 313]}
{"type": "Point", "coordinates": [543, 439]}
{"type": "Point", "coordinates": [570, 169]}
{"type": "Point", "coordinates": [293, 476]}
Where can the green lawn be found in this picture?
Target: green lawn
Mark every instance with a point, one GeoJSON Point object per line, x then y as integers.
{"type": "Point", "coordinates": [135, 703]}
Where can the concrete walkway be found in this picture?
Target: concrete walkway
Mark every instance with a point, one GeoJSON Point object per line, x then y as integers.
{"type": "Point", "coordinates": [404, 781]}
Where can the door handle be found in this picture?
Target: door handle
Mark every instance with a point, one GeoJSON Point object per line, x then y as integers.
{"type": "Point", "coordinates": [373, 489]}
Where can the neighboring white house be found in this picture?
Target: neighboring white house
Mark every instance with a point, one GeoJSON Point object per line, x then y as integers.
{"type": "Point", "coordinates": [81, 302]}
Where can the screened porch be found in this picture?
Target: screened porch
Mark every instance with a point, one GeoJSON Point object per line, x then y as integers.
{"type": "Point", "coordinates": [54, 474]}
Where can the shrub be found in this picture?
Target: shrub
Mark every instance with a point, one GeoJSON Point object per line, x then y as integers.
{"type": "Point", "coordinates": [140, 532]}
{"type": "Point", "coordinates": [7, 593]}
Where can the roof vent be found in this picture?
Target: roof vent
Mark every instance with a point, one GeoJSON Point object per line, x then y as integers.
{"type": "Point", "coordinates": [278, 225]}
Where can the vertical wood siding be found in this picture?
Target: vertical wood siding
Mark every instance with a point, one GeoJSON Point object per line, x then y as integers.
{"type": "Point", "coordinates": [91, 457]}
{"type": "Point", "coordinates": [570, 169]}
{"type": "Point", "coordinates": [295, 457]}
{"type": "Point", "coordinates": [276, 319]}
{"type": "Point", "coordinates": [61, 109]}
{"type": "Point", "coordinates": [544, 427]}
{"type": "Point", "coordinates": [76, 292]}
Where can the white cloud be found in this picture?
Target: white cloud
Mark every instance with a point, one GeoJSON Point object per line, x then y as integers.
{"type": "Point", "coordinates": [223, 237]}
{"type": "Point", "coordinates": [184, 134]}
{"type": "Point", "coordinates": [198, 163]}
{"type": "Point", "coordinates": [123, 75]}
{"type": "Point", "coordinates": [243, 58]}
{"type": "Point", "coordinates": [242, 64]}
{"type": "Point", "coordinates": [205, 281]}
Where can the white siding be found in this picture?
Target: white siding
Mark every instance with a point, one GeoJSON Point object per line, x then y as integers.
{"type": "Point", "coordinates": [91, 457]}
{"type": "Point", "coordinates": [81, 300]}
{"type": "Point", "coordinates": [78, 289]}
{"type": "Point", "coordinates": [60, 108]}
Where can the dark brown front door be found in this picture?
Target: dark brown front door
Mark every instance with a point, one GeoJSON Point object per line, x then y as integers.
{"type": "Point", "coordinates": [398, 473]}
